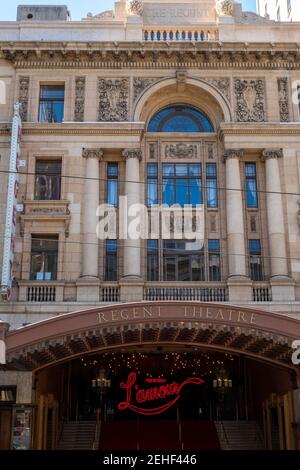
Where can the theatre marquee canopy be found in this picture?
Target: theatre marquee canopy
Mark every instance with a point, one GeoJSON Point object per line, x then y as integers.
{"type": "Point", "coordinates": [250, 332]}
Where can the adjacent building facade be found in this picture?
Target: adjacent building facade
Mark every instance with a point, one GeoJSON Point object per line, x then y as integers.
{"type": "Point", "coordinates": [279, 10]}
{"type": "Point", "coordinates": [167, 104]}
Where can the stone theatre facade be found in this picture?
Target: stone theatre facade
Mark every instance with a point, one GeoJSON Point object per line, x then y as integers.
{"type": "Point", "coordinates": [165, 103]}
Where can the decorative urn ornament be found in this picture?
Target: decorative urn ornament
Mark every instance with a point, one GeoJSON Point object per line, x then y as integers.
{"type": "Point", "coordinates": [225, 7]}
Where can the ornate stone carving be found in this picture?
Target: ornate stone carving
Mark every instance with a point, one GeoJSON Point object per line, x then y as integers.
{"type": "Point", "coordinates": [135, 7]}
{"type": "Point", "coordinates": [223, 85]}
{"type": "Point", "coordinates": [272, 153]}
{"type": "Point", "coordinates": [250, 100]}
{"type": "Point", "coordinates": [140, 85]}
{"type": "Point", "coordinates": [92, 153]}
{"type": "Point", "coordinates": [251, 17]}
{"type": "Point", "coordinates": [232, 153]}
{"type": "Point", "coordinates": [113, 99]}
{"type": "Point", "coordinates": [132, 153]}
{"type": "Point", "coordinates": [79, 99]}
{"type": "Point", "coordinates": [283, 97]}
{"type": "Point", "coordinates": [23, 97]}
{"type": "Point", "coordinates": [181, 150]}
{"type": "Point", "coordinates": [225, 7]}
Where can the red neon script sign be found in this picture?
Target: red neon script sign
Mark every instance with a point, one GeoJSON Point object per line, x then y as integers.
{"type": "Point", "coordinates": [161, 392]}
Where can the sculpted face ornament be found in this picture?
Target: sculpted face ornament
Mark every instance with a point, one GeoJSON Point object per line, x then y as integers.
{"type": "Point", "coordinates": [225, 7]}
{"type": "Point", "coordinates": [135, 7]}
{"type": "Point", "coordinates": [169, 394]}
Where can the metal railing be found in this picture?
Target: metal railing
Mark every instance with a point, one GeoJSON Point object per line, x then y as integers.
{"type": "Point", "coordinates": [203, 293]}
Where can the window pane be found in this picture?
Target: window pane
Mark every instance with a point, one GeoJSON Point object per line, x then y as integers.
{"type": "Point", "coordinates": [182, 191]}
{"type": "Point", "coordinates": [214, 246]}
{"type": "Point", "coordinates": [168, 193]}
{"type": "Point", "coordinates": [51, 107]}
{"type": "Point", "coordinates": [250, 169]}
{"type": "Point", "coordinates": [169, 269]}
{"type": "Point", "coordinates": [195, 192]}
{"type": "Point", "coordinates": [195, 169]}
{"type": "Point", "coordinates": [168, 169]}
{"type": "Point", "coordinates": [254, 247]}
{"type": "Point", "coordinates": [44, 255]}
{"type": "Point", "coordinates": [211, 170]}
{"type": "Point", "coordinates": [211, 193]}
{"type": "Point", "coordinates": [181, 169]}
{"type": "Point", "coordinates": [112, 193]}
{"type": "Point", "coordinates": [152, 170]}
{"type": "Point", "coordinates": [183, 268]}
{"type": "Point", "coordinates": [47, 180]}
{"type": "Point", "coordinates": [111, 268]}
{"type": "Point", "coordinates": [112, 170]}
{"type": "Point", "coordinates": [111, 246]}
{"type": "Point", "coordinates": [152, 193]}
{"type": "Point", "coordinates": [197, 265]}
{"type": "Point", "coordinates": [152, 260]}
{"type": "Point", "coordinates": [53, 92]}
{"type": "Point", "coordinates": [251, 193]}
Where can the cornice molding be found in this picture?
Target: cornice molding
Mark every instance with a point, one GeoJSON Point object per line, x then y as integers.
{"type": "Point", "coordinates": [265, 128]}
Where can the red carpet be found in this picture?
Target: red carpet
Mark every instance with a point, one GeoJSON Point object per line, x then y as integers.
{"type": "Point", "coordinates": [158, 435]}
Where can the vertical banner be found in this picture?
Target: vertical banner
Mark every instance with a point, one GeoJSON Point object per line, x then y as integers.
{"type": "Point", "coordinates": [11, 211]}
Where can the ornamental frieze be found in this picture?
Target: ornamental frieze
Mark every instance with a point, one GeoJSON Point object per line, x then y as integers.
{"type": "Point", "coordinates": [250, 100]}
{"type": "Point", "coordinates": [223, 85]}
{"type": "Point", "coordinates": [283, 99]}
{"type": "Point", "coordinates": [181, 150]}
{"type": "Point", "coordinates": [113, 99]}
{"type": "Point", "coordinates": [79, 99]}
{"type": "Point", "coordinates": [140, 85]}
{"type": "Point", "coordinates": [23, 97]}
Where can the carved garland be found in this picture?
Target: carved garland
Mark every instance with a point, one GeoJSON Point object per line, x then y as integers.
{"type": "Point", "coordinates": [250, 100]}
{"type": "Point", "coordinates": [283, 98]}
{"type": "Point", "coordinates": [23, 97]}
{"type": "Point", "coordinates": [140, 85]}
{"type": "Point", "coordinates": [79, 99]}
{"type": "Point", "coordinates": [113, 99]}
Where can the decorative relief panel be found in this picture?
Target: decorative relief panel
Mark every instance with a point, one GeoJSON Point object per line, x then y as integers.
{"type": "Point", "coordinates": [140, 85]}
{"type": "Point", "coordinates": [181, 150]}
{"type": "Point", "coordinates": [113, 99]}
{"type": "Point", "coordinates": [250, 100]}
{"type": "Point", "coordinates": [223, 85]}
{"type": "Point", "coordinates": [79, 99]}
{"type": "Point", "coordinates": [23, 97]}
{"type": "Point", "coordinates": [283, 98]}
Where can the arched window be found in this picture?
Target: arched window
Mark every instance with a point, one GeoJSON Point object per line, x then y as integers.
{"type": "Point", "coordinates": [180, 118]}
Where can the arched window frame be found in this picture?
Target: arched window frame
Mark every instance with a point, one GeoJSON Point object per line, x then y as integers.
{"type": "Point", "coordinates": [180, 118]}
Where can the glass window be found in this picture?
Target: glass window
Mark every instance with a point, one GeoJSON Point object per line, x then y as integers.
{"type": "Point", "coordinates": [255, 260]}
{"type": "Point", "coordinates": [183, 261]}
{"type": "Point", "coordinates": [47, 180]}
{"type": "Point", "coordinates": [152, 260]}
{"type": "Point", "coordinates": [44, 255]}
{"type": "Point", "coordinates": [112, 184]}
{"type": "Point", "coordinates": [51, 107]}
{"type": "Point", "coordinates": [251, 185]}
{"type": "Point", "coordinates": [182, 184]}
{"type": "Point", "coordinates": [111, 264]}
{"type": "Point", "coordinates": [214, 260]}
{"type": "Point", "coordinates": [211, 185]}
{"type": "Point", "coordinates": [180, 118]}
{"type": "Point", "coordinates": [152, 184]}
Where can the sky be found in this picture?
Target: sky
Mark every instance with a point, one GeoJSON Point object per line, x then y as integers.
{"type": "Point", "coordinates": [78, 8]}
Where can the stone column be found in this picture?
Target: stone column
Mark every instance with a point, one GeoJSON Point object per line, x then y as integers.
{"type": "Point", "coordinates": [90, 260]}
{"type": "Point", "coordinates": [132, 248]}
{"type": "Point", "coordinates": [238, 282]}
{"type": "Point", "coordinates": [234, 214]}
{"type": "Point", "coordinates": [282, 285]}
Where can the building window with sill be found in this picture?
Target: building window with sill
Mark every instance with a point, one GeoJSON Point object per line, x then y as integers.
{"type": "Point", "coordinates": [111, 261]}
{"type": "Point", "coordinates": [255, 260]}
{"type": "Point", "coordinates": [44, 257]}
{"type": "Point", "coordinates": [112, 189]}
{"type": "Point", "coordinates": [47, 180]}
{"type": "Point", "coordinates": [51, 106]}
{"type": "Point", "coordinates": [251, 186]}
